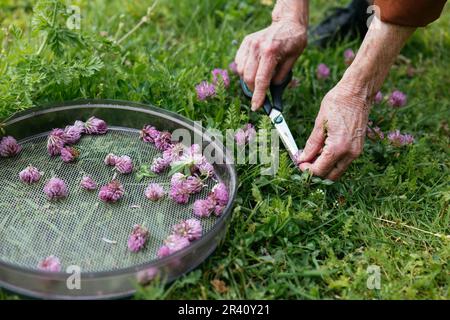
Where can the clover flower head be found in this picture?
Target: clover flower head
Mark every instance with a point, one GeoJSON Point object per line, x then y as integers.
{"type": "Point", "coordinates": [145, 276]}
{"type": "Point", "coordinates": [194, 149]}
{"type": "Point", "coordinates": [110, 159]}
{"type": "Point", "coordinates": [95, 126]}
{"type": "Point", "coordinates": [250, 131]}
{"type": "Point", "coordinates": [193, 184]}
{"type": "Point", "coordinates": [396, 138]}
{"type": "Point", "coordinates": [177, 178]}
{"type": "Point", "coordinates": [69, 154]}
{"type": "Point", "coordinates": [154, 192]}
{"type": "Point", "coordinates": [190, 229]}
{"type": "Point", "coordinates": [220, 193]}
{"type": "Point", "coordinates": [55, 142]}
{"type": "Point", "coordinates": [149, 134]}
{"type": "Point", "coordinates": [349, 56]}
{"type": "Point", "coordinates": [163, 141]}
{"type": "Point", "coordinates": [375, 133]}
{"type": "Point", "coordinates": [51, 264]}
{"type": "Point", "coordinates": [218, 209]}
{"type": "Point", "coordinates": [233, 67]}
{"type": "Point", "coordinates": [240, 137]}
{"type": "Point", "coordinates": [80, 125]}
{"type": "Point", "coordinates": [171, 154]}
{"type": "Point", "coordinates": [179, 193]}
{"type": "Point", "coordinates": [215, 202]}
{"type": "Point", "coordinates": [174, 152]}
{"type": "Point", "coordinates": [205, 168]}
{"type": "Point", "coordinates": [160, 164]}
{"type": "Point", "coordinates": [111, 192]}
{"type": "Point", "coordinates": [205, 90]}
{"type": "Point", "coordinates": [397, 99]}
{"type": "Point", "coordinates": [175, 243]}
{"type": "Point", "coordinates": [137, 238]}
{"type": "Point", "coordinates": [178, 190]}
{"type": "Point", "coordinates": [323, 71]}
{"type": "Point", "coordinates": [56, 189]}
{"type": "Point", "coordinates": [245, 134]}
{"type": "Point", "coordinates": [163, 251]}
{"type": "Point", "coordinates": [30, 175]}
{"type": "Point", "coordinates": [124, 164]}
{"type": "Point", "coordinates": [399, 140]}
{"type": "Point", "coordinates": [408, 139]}
{"type": "Point", "coordinates": [221, 75]}
{"type": "Point", "coordinates": [72, 134]}
{"type": "Point", "coordinates": [9, 147]}
{"type": "Point", "coordinates": [88, 183]}
{"type": "Point", "coordinates": [378, 97]}
{"type": "Point", "coordinates": [204, 207]}
{"type": "Point", "coordinates": [190, 159]}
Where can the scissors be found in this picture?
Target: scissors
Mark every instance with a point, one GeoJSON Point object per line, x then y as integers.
{"type": "Point", "coordinates": [274, 111]}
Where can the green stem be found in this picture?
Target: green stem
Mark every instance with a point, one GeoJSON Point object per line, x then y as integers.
{"type": "Point", "coordinates": [143, 20]}
{"type": "Point", "coordinates": [44, 42]}
{"type": "Point", "coordinates": [42, 46]}
{"type": "Point", "coordinates": [439, 235]}
{"type": "Point", "coordinates": [55, 9]}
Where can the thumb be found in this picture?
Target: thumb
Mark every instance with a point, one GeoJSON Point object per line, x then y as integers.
{"type": "Point", "coordinates": [313, 145]}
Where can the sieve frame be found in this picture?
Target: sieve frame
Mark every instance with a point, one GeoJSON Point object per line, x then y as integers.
{"type": "Point", "coordinates": [121, 282]}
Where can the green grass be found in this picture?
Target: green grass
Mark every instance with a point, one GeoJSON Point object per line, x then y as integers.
{"type": "Point", "coordinates": [290, 237]}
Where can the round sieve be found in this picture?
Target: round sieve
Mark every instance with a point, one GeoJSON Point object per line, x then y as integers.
{"type": "Point", "coordinates": [87, 235]}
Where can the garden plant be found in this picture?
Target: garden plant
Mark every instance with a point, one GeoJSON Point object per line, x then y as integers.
{"type": "Point", "coordinates": [382, 231]}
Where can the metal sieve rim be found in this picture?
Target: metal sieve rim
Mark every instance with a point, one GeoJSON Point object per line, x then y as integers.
{"type": "Point", "coordinates": [149, 109]}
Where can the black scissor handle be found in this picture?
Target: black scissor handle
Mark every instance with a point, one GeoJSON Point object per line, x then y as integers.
{"type": "Point", "coordinates": [276, 91]}
{"type": "Point", "coordinates": [247, 92]}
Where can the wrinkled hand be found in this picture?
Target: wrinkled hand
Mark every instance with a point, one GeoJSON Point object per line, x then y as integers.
{"type": "Point", "coordinates": [268, 55]}
{"type": "Point", "coordinates": [338, 135]}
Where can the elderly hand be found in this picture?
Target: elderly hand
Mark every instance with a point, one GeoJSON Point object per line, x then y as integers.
{"type": "Point", "coordinates": [340, 127]}
{"type": "Point", "coordinates": [339, 132]}
{"type": "Point", "coordinates": [268, 55]}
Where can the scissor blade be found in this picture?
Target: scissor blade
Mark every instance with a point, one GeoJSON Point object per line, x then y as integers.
{"type": "Point", "coordinates": [284, 132]}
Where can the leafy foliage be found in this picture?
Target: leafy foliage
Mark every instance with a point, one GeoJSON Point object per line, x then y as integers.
{"type": "Point", "coordinates": [291, 235]}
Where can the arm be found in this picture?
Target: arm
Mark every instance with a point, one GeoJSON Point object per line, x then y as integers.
{"type": "Point", "coordinates": [339, 131]}
{"type": "Point", "coordinates": [295, 10]}
{"type": "Point", "coordinates": [269, 54]}
{"type": "Point", "coordinates": [376, 56]}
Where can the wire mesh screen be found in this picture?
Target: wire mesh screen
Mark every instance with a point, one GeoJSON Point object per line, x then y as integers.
{"type": "Point", "coordinates": [82, 230]}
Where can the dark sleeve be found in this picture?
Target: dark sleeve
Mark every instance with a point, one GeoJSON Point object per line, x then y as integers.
{"type": "Point", "coordinates": [412, 13]}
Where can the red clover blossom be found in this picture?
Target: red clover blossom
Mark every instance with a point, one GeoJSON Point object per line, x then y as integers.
{"type": "Point", "coordinates": [323, 71]}
{"type": "Point", "coordinates": [9, 147]}
{"type": "Point", "coordinates": [30, 175]}
{"type": "Point", "coordinates": [51, 264]}
{"type": "Point", "coordinates": [56, 189]}
{"type": "Point", "coordinates": [88, 183]}
{"type": "Point", "coordinates": [137, 238]}
{"type": "Point", "coordinates": [111, 192]}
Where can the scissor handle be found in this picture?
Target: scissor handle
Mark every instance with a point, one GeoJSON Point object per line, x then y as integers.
{"type": "Point", "coordinates": [276, 91]}
{"type": "Point", "coordinates": [245, 89]}
{"type": "Point", "coordinates": [267, 106]}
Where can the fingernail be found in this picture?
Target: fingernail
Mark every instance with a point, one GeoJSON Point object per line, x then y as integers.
{"type": "Point", "coordinates": [254, 106]}
{"type": "Point", "coordinates": [301, 157]}
{"type": "Point", "coordinates": [303, 166]}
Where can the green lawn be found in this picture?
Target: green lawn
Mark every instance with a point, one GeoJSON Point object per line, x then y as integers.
{"type": "Point", "coordinates": [291, 237]}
